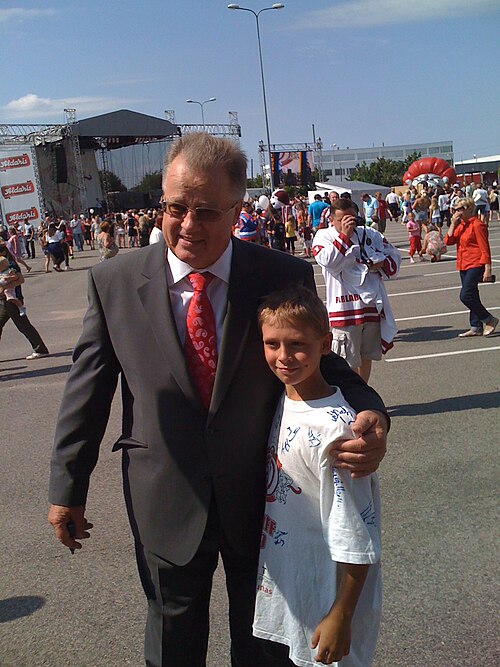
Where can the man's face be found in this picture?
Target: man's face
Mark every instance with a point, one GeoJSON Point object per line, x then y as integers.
{"type": "Point", "coordinates": [333, 196]}
{"type": "Point", "coordinates": [194, 241]}
{"type": "Point", "coordinates": [344, 221]}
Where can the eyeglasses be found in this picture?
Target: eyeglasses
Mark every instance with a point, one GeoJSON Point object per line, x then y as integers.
{"type": "Point", "coordinates": [461, 208]}
{"type": "Point", "coordinates": [179, 211]}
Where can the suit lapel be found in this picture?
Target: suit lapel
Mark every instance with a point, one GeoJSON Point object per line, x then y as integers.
{"type": "Point", "coordinates": [155, 298]}
{"type": "Point", "coordinates": [241, 306]}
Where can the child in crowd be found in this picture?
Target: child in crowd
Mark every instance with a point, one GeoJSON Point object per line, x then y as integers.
{"type": "Point", "coordinates": [12, 294]}
{"type": "Point", "coordinates": [434, 212]}
{"type": "Point", "coordinates": [290, 237]}
{"type": "Point", "coordinates": [414, 233]}
{"type": "Point", "coordinates": [307, 235]}
{"type": "Point", "coordinates": [319, 584]}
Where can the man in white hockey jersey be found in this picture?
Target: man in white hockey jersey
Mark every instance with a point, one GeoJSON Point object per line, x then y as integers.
{"type": "Point", "coordinates": [355, 262]}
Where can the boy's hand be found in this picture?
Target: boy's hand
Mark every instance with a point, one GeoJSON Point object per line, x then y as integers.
{"type": "Point", "coordinates": [332, 637]}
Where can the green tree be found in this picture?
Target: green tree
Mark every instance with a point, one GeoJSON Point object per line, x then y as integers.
{"type": "Point", "coordinates": [114, 182]}
{"type": "Point", "coordinates": [383, 171]}
{"type": "Point", "coordinates": [255, 182]}
{"type": "Point", "coordinates": [149, 183]}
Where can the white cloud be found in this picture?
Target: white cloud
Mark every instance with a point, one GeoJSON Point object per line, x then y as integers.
{"type": "Point", "coordinates": [40, 108]}
{"type": "Point", "coordinates": [20, 14]}
{"type": "Point", "coordinates": [370, 13]}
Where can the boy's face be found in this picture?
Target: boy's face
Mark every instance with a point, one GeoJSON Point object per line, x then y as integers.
{"type": "Point", "coordinates": [293, 352]}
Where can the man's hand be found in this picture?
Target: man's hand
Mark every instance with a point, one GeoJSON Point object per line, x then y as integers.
{"type": "Point", "coordinates": [348, 225]}
{"type": "Point", "coordinates": [362, 455]}
{"type": "Point", "coordinates": [60, 516]}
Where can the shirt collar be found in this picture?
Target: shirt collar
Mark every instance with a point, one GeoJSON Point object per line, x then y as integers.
{"type": "Point", "coordinates": [221, 268]}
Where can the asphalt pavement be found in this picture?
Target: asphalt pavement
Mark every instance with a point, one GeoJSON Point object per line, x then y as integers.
{"type": "Point", "coordinates": [438, 489]}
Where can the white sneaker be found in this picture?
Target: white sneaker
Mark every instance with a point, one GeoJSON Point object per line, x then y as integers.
{"type": "Point", "coordinates": [412, 260]}
{"type": "Point", "coordinates": [37, 355]}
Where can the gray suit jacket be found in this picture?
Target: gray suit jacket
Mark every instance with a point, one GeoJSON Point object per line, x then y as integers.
{"type": "Point", "coordinates": [175, 456]}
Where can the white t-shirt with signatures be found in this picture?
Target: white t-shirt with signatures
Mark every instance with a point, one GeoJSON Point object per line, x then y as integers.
{"type": "Point", "coordinates": [315, 517]}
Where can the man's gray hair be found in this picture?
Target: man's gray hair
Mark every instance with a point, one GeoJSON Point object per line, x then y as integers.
{"type": "Point", "coordinates": [204, 152]}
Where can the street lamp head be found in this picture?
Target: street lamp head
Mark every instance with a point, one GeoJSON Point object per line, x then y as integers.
{"type": "Point", "coordinates": [190, 101]}
{"type": "Point", "coordinates": [212, 99]}
{"type": "Point", "coordinates": [233, 6]}
{"type": "Point", "coordinates": [278, 5]}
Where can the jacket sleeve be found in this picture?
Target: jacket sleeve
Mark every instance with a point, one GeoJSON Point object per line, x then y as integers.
{"type": "Point", "coordinates": [481, 231]}
{"type": "Point", "coordinates": [330, 253]}
{"type": "Point", "coordinates": [85, 408]}
{"type": "Point", "coordinates": [392, 260]}
{"type": "Point", "coordinates": [452, 239]}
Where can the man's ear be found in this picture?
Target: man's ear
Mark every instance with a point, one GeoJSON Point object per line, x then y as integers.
{"type": "Point", "coordinates": [237, 210]}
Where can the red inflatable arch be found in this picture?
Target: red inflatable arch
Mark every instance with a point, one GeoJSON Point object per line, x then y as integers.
{"type": "Point", "coordinates": [429, 169]}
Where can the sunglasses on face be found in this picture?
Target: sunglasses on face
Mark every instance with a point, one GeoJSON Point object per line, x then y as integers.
{"type": "Point", "coordinates": [203, 214]}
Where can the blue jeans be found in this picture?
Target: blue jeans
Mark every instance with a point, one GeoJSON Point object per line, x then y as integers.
{"type": "Point", "coordinates": [469, 296]}
{"type": "Point", "coordinates": [78, 239]}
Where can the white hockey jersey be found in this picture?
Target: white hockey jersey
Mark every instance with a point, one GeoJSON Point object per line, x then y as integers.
{"type": "Point", "coordinates": [356, 294]}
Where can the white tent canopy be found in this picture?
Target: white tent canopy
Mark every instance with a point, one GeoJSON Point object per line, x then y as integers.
{"type": "Point", "coordinates": [354, 188]}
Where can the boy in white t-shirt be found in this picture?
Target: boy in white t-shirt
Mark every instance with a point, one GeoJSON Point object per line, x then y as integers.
{"type": "Point", "coordinates": [319, 584]}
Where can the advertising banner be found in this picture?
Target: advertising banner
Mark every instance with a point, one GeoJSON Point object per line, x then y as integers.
{"type": "Point", "coordinates": [292, 167]}
{"type": "Point", "coordinates": [19, 196]}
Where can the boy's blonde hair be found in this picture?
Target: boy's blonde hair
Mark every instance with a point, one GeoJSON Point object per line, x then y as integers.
{"type": "Point", "coordinates": [4, 263]}
{"type": "Point", "coordinates": [296, 305]}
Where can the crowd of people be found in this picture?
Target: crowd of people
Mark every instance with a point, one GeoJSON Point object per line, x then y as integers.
{"type": "Point", "coordinates": [425, 211]}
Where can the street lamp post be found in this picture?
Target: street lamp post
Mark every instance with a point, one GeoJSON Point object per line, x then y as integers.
{"type": "Point", "coordinates": [202, 104]}
{"type": "Point", "coordinates": [276, 5]}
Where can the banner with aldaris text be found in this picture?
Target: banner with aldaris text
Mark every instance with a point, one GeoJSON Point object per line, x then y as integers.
{"type": "Point", "coordinates": [19, 196]}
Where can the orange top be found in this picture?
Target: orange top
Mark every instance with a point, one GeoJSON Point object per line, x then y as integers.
{"type": "Point", "coordinates": [473, 248]}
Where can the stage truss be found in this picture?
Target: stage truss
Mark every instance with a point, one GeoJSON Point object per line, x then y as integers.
{"type": "Point", "coordinates": [42, 134]}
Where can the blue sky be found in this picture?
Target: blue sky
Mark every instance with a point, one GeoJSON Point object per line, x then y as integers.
{"type": "Point", "coordinates": [363, 71]}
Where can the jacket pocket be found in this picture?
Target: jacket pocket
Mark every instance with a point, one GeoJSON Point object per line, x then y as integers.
{"type": "Point", "coordinates": [127, 442]}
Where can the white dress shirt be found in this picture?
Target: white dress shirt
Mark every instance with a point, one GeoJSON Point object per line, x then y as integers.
{"type": "Point", "coordinates": [181, 290]}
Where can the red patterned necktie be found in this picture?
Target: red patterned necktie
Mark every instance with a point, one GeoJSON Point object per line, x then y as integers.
{"type": "Point", "coordinates": [200, 344]}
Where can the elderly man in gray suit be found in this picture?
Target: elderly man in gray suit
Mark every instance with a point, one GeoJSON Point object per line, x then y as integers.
{"type": "Point", "coordinates": [198, 401]}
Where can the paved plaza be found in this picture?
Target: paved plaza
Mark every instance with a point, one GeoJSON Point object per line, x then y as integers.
{"type": "Point", "coordinates": [438, 489]}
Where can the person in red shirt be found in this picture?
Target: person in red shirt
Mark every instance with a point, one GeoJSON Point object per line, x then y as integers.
{"type": "Point", "coordinates": [383, 212]}
{"type": "Point", "coordinates": [470, 235]}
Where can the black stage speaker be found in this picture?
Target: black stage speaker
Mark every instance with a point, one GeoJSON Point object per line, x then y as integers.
{"type": "Point", "coordinates": [61, 164]}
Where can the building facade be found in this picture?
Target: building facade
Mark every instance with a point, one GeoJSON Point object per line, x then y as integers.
{"type": "Point", "coordinates": [341, 162]}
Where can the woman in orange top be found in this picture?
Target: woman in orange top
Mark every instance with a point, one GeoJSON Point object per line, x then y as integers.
{"type": "Point", "coordinates": [474, 263]}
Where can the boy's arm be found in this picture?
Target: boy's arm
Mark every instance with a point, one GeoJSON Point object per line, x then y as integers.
{"type": "Point", "coordinates": [332, 636]}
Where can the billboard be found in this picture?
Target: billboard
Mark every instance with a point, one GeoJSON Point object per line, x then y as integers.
{"type": "Point", "coordinates": [292, 167]}
{"type": "Point", "coordinates": [19, 196]}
